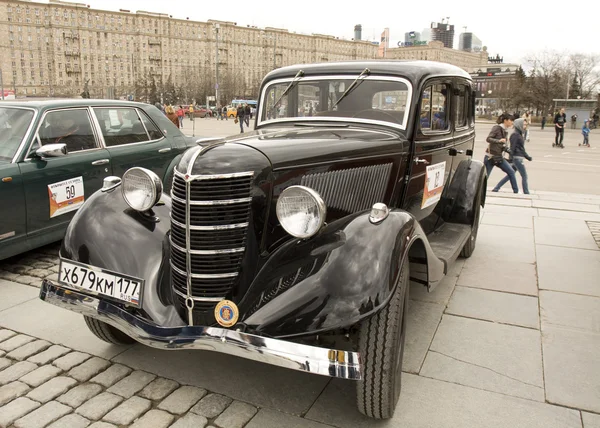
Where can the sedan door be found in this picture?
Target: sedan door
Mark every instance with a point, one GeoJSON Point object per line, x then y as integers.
{"type": "Point", "coordinates": [133, 139]}
{"type": "Point", "coordinates": [55, 187]}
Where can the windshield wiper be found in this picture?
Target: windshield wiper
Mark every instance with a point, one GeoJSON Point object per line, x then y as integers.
{"type": "Point", "coordinates": [361, 77]}
{"type": "Point", "coordinates": [293, 83]}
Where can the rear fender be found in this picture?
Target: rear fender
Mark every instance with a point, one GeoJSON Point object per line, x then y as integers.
{"type": "Point", "coordinates": [344, 275]}
{"type": "Point", "coordinates": [468, 180]}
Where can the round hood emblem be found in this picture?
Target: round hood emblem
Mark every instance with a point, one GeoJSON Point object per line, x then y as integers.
{"type": "Point", "coordinates": [226, 313]}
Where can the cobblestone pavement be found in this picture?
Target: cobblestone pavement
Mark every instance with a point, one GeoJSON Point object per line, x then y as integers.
{"type": "Point", "coordinates": [30, 268]}
{"type": "Point", "coordinates": [42, 384]}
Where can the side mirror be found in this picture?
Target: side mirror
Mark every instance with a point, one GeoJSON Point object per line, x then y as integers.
{"type": "Point", "coordinates": [52, 151]}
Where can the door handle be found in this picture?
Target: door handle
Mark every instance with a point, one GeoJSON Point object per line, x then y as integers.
{"type": "Point", "coordinates": [423, 161]}
{"type": "Point", "coordinates": [165, 150]}
{"type": "Point", "coordinates": [101, 162]}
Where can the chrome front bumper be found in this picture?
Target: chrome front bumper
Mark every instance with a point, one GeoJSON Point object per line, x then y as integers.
{"type": "Point", "coordinates": [312, 359]}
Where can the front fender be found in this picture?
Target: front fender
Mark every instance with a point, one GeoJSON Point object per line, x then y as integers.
{"type": "Point", "coordinates": [344, 275]}
{"type": "Point", "coordinates": [107, 233]}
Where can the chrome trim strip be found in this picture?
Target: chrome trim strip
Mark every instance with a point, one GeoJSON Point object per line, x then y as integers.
{"type": "Point", "coordinates": [281, 353]}
{"type": "Point", "coordinates": [212, 203]}
{"type": "Point", "coordinates": [27, 135]}
{"type": "Point", "coordinates": [202, 275]}
{"type": "Point", "coordinates": [200, 299]}
{"type": "Point", "coordinates": [206, 252]}
{"type": "Point", "coordinates": [375, 77]}
{"type": "Point", "coordinates": [189, 301]}
{"type": "Point", "coordinates": [211, 176]}
{"type": "Point", "coordinates": [220, 227]}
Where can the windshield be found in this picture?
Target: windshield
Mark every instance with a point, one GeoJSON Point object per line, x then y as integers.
{"type": "Point", "coordinates": [373, 99]}
{"type": "Point", "coordinates": [14, 123]}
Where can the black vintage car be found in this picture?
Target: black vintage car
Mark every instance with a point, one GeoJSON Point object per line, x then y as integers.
{"type": "Point", "coordinates": [292, 244]}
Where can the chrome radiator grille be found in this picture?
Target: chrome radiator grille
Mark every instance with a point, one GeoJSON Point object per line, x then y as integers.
{"type": "Point", "coordinates": [351, 190]}
{"type": "Point", "coordinates": [209, 222]}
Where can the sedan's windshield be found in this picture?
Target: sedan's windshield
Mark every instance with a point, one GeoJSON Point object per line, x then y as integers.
{"type": "Point", "coordinates": [14, 123]}
{"type": "Point", "coordinates": [373, 99]}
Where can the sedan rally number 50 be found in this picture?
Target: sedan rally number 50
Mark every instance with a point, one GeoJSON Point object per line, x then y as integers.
{"type": "Point", "coordinates": [88, 278]}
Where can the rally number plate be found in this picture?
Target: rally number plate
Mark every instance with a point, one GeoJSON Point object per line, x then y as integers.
{"type": "Point", "coordinates": [101, 282]}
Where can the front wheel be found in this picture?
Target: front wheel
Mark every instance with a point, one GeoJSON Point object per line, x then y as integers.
{"type": "Point", "coordinates": [381, 347]}
{"type": "Point", "coordinates": [107, 332]}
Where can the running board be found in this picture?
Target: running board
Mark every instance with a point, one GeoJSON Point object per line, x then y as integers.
{"type": "Point", "coordinates": [448, 241]}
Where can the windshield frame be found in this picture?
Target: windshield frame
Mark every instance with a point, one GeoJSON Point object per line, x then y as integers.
{"type": "Point", "coordinates": [323, 77]}
{"type": "Point", "coordinates": [27, 134]}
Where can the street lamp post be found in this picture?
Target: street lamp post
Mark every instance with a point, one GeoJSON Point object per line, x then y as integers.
{"type": "Point", "coordinates": [274, 51]}
{"type": "Point", "coordinates": [217, 27]}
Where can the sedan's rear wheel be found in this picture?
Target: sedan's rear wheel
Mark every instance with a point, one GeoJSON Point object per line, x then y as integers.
{"type": "Point", "coordinates": [107, 332]}
{"type": "Point", "coordinates": [381, 347]}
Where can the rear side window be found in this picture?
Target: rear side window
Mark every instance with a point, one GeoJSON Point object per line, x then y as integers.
{"type": "Point", "coordinates": [71, 127]}
{"type": "Point", "coordinates": [120, 126]}
{"type": "Point", "coordinates": [434, 108]}
{"type": "Point", "coordinates": [462, 106]}
{"type": "Point", "coordinates": [153, 131]}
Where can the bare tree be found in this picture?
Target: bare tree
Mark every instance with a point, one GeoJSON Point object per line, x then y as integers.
{"type": "Point", "coordinates": [586, 72]}
{"type": "Point", "coordinates": [547, 79]}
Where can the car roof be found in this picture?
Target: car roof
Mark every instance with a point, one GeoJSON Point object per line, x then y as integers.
{"type": "Point", "coordinates": [65, 103]}
{"type": "Point", "coordinates": [414, 71]}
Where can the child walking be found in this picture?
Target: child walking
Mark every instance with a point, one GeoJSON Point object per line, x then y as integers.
{"type": "Point", "coordinates": [586, 133]}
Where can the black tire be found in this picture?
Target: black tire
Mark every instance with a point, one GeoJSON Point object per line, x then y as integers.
{"type": "Point", "coordinates": [381, 347]}
{"type": "Point", "coordinates": [107, 332]}
{"type": "Point", "coordinates": [469, 247]}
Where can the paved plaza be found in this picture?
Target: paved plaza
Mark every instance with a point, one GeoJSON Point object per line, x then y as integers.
{"type": "Point", "coordinates": [511, 338]}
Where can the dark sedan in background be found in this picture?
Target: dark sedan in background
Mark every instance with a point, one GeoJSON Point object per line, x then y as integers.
{"type": "Point", "coordinates": [55, 154]}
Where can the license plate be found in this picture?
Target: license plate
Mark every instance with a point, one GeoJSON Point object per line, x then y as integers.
{"type": "Point", "coordinates": [101, 282]}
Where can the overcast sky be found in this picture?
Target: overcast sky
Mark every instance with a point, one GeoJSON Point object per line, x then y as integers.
{"type": "Point", "coordinates": [511, 29]}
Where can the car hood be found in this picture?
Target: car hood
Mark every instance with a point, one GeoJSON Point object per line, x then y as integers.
{"type": "Point", "coordinates": [297, 146]}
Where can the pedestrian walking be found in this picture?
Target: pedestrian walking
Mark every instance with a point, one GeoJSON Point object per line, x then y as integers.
{"type": "Point", "coordinates": [543, 122]}
{"type": "Point", "coordinates": [586, 133]}
{"type": "Point", "coordinates": [518, 155]}
{"type": "Point", "coordinates": [247, 113]}
{"type": "Point", "coordinates": [191, 111]}
{"type": "Point", "coordinates": [527, 117]}
{"type": "Point", "coordinates": [496, 147]}
{"type": "Point", "coordinates": [225, 112]}
{"type": "Point", "coordinates": [240, 117]}
{"type": "Point", "coordinates": [573, 121]}
{"type": "Point", "coordinates": [559, 126]}
{"type": "Point", "coordinates": [180, 115]}
{"type": "Point", "coordinates": [172, 116]}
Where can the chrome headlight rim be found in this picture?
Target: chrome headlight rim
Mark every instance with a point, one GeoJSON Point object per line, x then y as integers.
{"type": "Point", "coordinates": [319, 203]}
{"type": "Point", "coordinates": [156, 188]}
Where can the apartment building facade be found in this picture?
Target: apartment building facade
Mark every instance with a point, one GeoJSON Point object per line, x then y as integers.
{"type": "Point", "coordinates": [53, 49]}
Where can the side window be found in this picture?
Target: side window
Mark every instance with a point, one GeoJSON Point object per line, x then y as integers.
{"type": "Point", "coordinates": [71, 127]}
{"type": "Point", "coordinates": [462, 106]}
{"type": "Point", "coordinates": [153, 131]}
{"type": "Point", "coordinates": [120, 126]}
{"type": "Point", "coordinates": [434, 107]}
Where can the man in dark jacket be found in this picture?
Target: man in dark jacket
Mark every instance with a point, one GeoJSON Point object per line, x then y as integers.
{"type": "Point", "coordinates": [240, 117]}
{"type": "Point", "coordinates": [496, 146]}
{"type": "Point", "coordinates": [559, 126]}
{"type": "Point", "coordinates": [247, 112]}
{"type": "Point", "coordinates": [518, 155]}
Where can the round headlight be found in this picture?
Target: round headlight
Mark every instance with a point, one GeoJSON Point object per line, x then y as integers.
{"type": "Point", "coordinates": [301, 211]}
{"type": "Point", "coordinates": [141, 188]}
